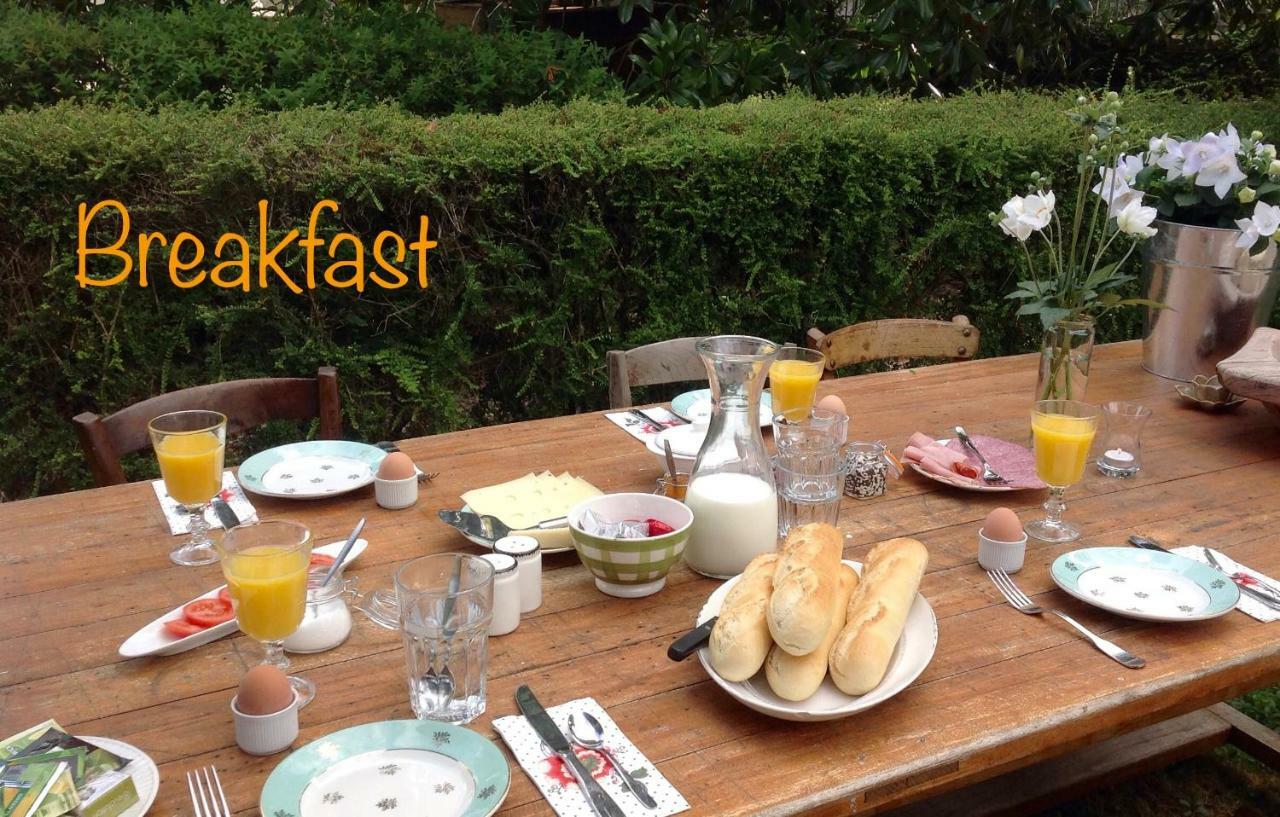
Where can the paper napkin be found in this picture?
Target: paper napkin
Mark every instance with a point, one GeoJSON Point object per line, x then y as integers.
{"type": "Point", "coordinates": [180, 521]}
{"type": "Point", "coordinates": [641, 430]}
{"type": "Point", "coordinates": [556, 782]}
{"type": "Point", "coordinates": [1247, 605]}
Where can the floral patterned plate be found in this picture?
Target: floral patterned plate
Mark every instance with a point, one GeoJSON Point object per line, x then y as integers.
{"type": "Point", "coordinates": [388, 769]}
{"type": "Point", "coordinates": [1145, 584]}
{"type": "Point", "coordinates": [311, 470]}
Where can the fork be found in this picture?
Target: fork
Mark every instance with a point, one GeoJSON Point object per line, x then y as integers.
{"type": "Point", "coordinates": [207, 788]}
{"type": "Point", "coordinates": [1023, 604]}
{"type": "Point", "coordinates": [989, 474]}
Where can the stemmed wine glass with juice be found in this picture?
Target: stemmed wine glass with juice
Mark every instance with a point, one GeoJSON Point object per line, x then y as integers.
{"type": "Point", "coordinates": [190, 447]}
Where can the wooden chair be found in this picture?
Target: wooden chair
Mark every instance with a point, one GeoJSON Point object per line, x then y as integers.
{"type": "Point", "coordinates": [247, 404]}
{"type": "Point", "coordinates": [896, 339]}
{"type": "Point", "coordinates": [668, 361]}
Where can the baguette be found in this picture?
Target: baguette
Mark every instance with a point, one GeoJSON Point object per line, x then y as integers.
{"type": "Point", "coordinates": [804, 583]}
{"type": "Point", "coordinates": [795, 678]}
{"type": "Point", "coordinates": [740, 639]}
{"type": "Point", "coordinates": [877, 614]}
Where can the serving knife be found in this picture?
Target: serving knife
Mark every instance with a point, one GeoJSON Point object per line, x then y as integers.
{"type": "Point", "coordinates": [1267, 598]}
{"type": "Point", "coordinates": [601, 803]}
{"type": "Point", "coordinates": [689, 643]}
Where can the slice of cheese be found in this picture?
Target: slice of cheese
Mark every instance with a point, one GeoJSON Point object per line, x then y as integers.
{"type": "Point", "coordinates": [523, 503]}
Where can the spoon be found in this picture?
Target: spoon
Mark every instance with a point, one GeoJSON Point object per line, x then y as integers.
{"type": "Point", "coordinates": [596, 744]}
{"type": "Point", "coordinates": [342, 555]}
{"type": "Point", "coordinates": [671, 459]}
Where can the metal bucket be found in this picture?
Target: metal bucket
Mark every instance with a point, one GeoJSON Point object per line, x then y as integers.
{"type": "Point", "coordinates": [1216, 293]}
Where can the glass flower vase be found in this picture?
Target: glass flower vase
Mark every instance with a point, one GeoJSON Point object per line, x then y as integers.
{"type": "Point", "coordinates": [1065, 354]}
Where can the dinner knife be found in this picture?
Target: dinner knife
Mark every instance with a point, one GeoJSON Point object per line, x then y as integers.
{"type": "Point", "coordinates": [601, 803]}
{"type": "Point", "coordinates": [225, 514]}
{"type": "Point", "coordinates": [1268, 599]}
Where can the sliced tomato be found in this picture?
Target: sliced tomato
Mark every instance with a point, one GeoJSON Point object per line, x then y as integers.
{"type": "Point", "coordinates": [225, 595]}
{"type": "Point", "coordinates": [181, 628]}
{"type": "Point", "coordinates": [321, 560]}
{"type": "Point", "coordinates": [208, 612]}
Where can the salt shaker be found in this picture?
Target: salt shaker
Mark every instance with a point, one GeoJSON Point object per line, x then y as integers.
{"type": "Point", "coordinates": [528, 556]}
{"type": "Point", "coordinates": [506, 593]}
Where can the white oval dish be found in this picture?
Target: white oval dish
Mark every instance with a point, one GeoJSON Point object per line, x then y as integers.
{"type": "Point", "coordinates": [915, 650]}
{"type": "Point", "coordinates": [153, 639]}
{"type": "Point", "coordinates": [146, 777]}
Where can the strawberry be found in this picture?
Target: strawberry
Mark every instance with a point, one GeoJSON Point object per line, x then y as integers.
{"type": "Point", "coordinates": [658, 528]}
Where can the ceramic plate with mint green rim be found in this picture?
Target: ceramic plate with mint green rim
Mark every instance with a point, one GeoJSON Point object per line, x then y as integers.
{"type": "Point", "coordinates": [310, 470]}
{"type": "Point", "coordinates": [1145, 584]}
{"type": "Point", "coordinates": [390, 768]}
{"type": "Point", "coordinates": [696, 406]}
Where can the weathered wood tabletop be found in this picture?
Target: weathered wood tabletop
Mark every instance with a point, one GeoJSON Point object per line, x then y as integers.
{"type": "Point", "coordinates": [84, 570]}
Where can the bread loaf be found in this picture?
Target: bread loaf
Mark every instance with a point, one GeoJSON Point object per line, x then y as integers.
{"type": "Point", "coordinates": [806, 578]}
{"type": "Point", "coordinates": [740, 640]}
{"type": "Point", "coordinates": [796, 677]}
{"type": "Point", "coordinates": [877, 613]}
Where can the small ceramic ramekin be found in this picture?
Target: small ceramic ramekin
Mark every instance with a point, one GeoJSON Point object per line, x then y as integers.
{"type": "Point", "coordinates": [394, 494]}
{"type": "Point", "coordinates": [1006, 556]}
{"type": "Point", "coordinates": [266, 734]}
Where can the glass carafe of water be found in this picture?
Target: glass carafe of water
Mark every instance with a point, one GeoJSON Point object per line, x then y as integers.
{"type": "Point", "coordinates": [731, 490]}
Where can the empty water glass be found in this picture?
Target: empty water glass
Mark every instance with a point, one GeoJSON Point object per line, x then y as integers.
{"type": "Point", "coordinates": [442, 606]}
{"type": "Point", "coordinates": [1122, 449]}
{"type": "Point", "coordinates": [812, 443]}
{"type": "Point", "coordinates": [808, 494]}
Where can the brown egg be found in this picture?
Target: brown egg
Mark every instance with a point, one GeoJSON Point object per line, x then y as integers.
{"type": "Point", "coordinates": [831, 403]}
{"type": "Point", "coordinates": [396, 465]}
{"type": "Point", "coordinates": [264, 690]}
{"type": "Point", "coordinates": [1002, 525]}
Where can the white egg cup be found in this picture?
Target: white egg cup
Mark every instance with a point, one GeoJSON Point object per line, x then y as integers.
{"type": "Point", "coordinates": [1006, 556]}
{"type": "Point", "coordinates": [394, 494]}
{"type": "Point", "coordinates": [266, 734]}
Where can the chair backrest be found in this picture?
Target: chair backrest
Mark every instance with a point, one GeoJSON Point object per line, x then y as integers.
{"type": "Point", "coordinates": [896, 338]}
{"type": "Point", "coordinates": [247, 404]}
{"type": "Point", "coordinates": [668, 361]}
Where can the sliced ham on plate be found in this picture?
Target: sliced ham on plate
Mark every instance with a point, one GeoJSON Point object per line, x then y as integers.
{"type": "Point", "coordinates": [948, 461]}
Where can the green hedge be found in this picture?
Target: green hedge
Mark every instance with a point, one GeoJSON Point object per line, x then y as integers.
{"type": "Point", "coordinates": [214, 55]}
{"type": "Point", "coordinates": [563, 232]}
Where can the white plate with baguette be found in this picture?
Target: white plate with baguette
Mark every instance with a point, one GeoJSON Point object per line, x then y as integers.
{"type": "Point", "coordinates": [888, 646]}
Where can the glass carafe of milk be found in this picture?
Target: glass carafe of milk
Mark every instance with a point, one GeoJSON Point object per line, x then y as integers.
{"type": "Point", "coordinates": [731, 491]}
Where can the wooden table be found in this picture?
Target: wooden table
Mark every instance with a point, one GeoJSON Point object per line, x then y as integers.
{"type": "Point", "coordinates": [84, 570]}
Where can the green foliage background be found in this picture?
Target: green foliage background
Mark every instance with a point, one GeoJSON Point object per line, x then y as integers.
{"type": "Point", "coordinates": [564, 232]}
{"type": "Point", "coordinates": [214, 55]}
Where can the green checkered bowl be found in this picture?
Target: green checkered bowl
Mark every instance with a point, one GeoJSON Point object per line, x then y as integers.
{"type": "Point", "coordinates": [631, 568]}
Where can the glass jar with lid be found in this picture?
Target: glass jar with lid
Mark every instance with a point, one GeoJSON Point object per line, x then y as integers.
{"type": "Point", "coordinates": [327, 621]}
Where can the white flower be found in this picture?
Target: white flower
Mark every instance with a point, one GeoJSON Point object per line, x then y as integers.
{"type": "Point", "coordinates": [1135, 220]}
{"type": "Point", "coordinates": [1167, 154]}
{"type": "Point", "coordinates": [1116, 191]}
{"type": "Point", "coordinates": [1274, 169]}
{"type": "Point", "coordinates": [1228, 139]}
{"type": "Point", "coordinates": [1220, 172]}
{"type": "Point", "coordinates": [1129, 167]}
{"type": "Point", "coordinates": [1264, 224]}
{"type": "Point", "coordinates": [1023, 216]}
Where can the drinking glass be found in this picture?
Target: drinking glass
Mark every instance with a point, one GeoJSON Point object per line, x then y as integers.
{"type": "Point", "coordinates": [266, 566]}
{"type": "Point", "coordinates": [810, 440]}
{"type": "Point", "coordinates": [808, 495]}
{"type": "Point", "coordinates": [189, 446]}
{"type": "Point", "coordinates": [1062, 431]}
{"type": "Point", "coordinates": [1122, 451]}
{"type": "Point", "coordinates": [445, 604]}
{"type": "Point", "coordinates": [793, 379]}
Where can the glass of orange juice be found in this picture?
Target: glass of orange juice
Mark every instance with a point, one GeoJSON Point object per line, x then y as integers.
{"type": "Point", "coordinates": [1062, 432]}
{"type": "Point", "coordinates": [266, 566]}
{"type": "Point", "coordinates": [793, 380]}
{"type": "Point", "coordinates": [189, 446]}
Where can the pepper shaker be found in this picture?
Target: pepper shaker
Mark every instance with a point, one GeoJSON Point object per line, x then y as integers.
{"type": "Point", "coordinates": [506, 594]}
{"type": "Point", "coordinates": [528, 555]}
